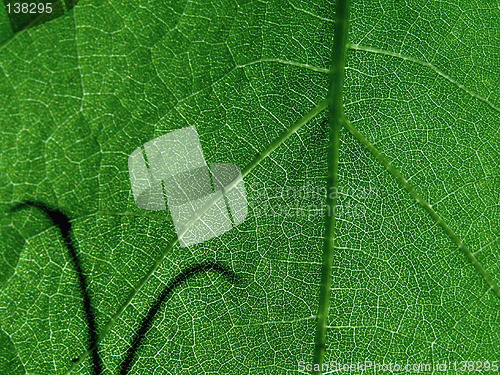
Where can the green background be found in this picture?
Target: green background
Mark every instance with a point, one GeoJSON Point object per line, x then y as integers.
{"type": "Point", "coordinates": [80, 93]}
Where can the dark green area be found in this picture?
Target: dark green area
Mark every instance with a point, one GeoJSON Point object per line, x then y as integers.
{"type": "Point", "coordinates": [10, 248]}
{"type": "Point", "coordinates": [24, 20]}
{"type": "Point", "coordinates": [9, 361]}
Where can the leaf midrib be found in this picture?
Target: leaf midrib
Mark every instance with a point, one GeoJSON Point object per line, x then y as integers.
{"type": "Point", "coordinates": [335, 99]}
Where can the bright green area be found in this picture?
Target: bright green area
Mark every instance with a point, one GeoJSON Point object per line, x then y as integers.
{"type": "Point", "coordinates": [81, 92]}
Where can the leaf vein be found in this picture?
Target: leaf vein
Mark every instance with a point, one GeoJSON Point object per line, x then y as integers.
{"type": "Point", "coordinates": [357, 47]}
{"type": "Point", "coordinates": [425, 205]}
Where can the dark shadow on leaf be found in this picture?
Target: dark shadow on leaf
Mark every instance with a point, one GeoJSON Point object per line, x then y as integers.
{"type": "Point", "coordinates": [167, 292]}
{"type": "Point", "coordinates": [61, 221]}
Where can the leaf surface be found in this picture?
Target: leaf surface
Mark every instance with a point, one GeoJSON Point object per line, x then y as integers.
{"type": "Point", "coordinates": [81, 92]}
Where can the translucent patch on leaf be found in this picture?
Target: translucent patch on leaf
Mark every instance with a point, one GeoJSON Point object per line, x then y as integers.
{"type": "Point", "coordinates": [176, 171]}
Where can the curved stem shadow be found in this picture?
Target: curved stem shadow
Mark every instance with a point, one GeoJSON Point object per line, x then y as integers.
{"type": "Point", "coordinates": [167, 292]}
{"type": "Point", "coordinates": [63, 223]}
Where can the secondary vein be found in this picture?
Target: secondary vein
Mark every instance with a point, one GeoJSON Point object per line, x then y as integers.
{"type": "Point", "coordinates": [357, 47]}
{"type": "Point", "coordinates": [336, 119]}
{"type": "Point", "coordinates": [249, 168]}
{"type": "Point", "coordinates": [425, 205]}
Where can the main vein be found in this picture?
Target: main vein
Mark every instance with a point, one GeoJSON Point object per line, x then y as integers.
{"type": "Point", "coordinates": [248, 169]}
{"type": "Point", "coordinates": [336, 119]}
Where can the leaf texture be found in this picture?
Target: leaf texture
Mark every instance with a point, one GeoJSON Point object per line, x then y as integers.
{"type": "Point", "coordinates": [80, 93]}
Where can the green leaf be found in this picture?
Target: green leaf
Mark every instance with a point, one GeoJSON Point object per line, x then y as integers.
{"type": "Point", "coordinates": [413, 252]}
{"type": "Point", "coordinates": [9, 361]}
